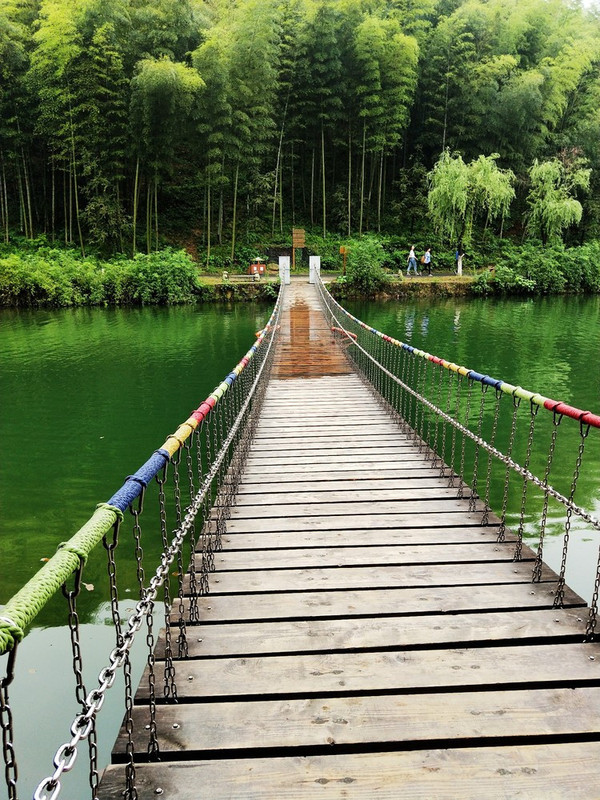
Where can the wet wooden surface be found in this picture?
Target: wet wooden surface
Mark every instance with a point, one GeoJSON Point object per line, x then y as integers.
{"type": "Point", "coordinates": [365, 634]}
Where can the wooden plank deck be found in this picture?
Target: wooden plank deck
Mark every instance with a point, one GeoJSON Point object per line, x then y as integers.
{"type": "Point", "coordinates": [365, 636]}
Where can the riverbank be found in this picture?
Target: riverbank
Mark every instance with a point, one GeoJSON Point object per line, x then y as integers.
{"type": "Point", "coordinates": [42, 276]}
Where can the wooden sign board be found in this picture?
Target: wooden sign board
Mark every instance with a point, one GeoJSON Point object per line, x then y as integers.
{"type": "Point", "coordinates": [298, 238]}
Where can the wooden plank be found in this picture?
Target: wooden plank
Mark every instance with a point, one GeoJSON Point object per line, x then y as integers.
{"type": "Point", "coordinates": [378, 430]}
{"type": "Point", "coordinates": [360, 443]}
{"type": "Point", "coordinates": [347, 497]}
{"type": "Point", "coordinates": [551, 771]}
{"type": "Point", "coordinates": [357, 508]}
{"type": "Point", "coordinates": [254, 483]}
{"type": "Point", "coordinates": [370, 537]}
{"type": "Point", "coordinates": [290, 452]}
{"type": "Point", "coordinates": [326, 461]}
{"type": "Point", "coordinates": [301, 636]}
{"type": "Point", "coordinates": [328, 421]}
{"type": "Point", "coordinates": [405, 720]}
{"type": "Point", "coordinates": [381, 555]}
{"type": "Point", "coordinates": [327, 673]}
{"type": "Point", "coordinates": [346, 472]}
{"type": "Point", "coordinates": [383, 602]}
{"type": "Point", "coordinates": [421, 519]}
{"type": "Point", "coordinates": [297, 580]}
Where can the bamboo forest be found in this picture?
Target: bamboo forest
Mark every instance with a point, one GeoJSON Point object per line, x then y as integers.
{"type": "Point", "coordinates": [132, 125]}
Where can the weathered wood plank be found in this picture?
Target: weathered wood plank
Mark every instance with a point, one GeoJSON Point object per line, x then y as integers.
{"type": "Point", "coordinates": [381, 433]}
{"type": "Point", "coordinates": [345, 472]}
{"type": "Point", "coordinates": [382, 602]}
{"type": "Point", "coordinates": [374, 556]}
{"type": "Point", "coordinates": [316, 445]}
{"type": "Point", "coordinates": [353, 538]}
{"type": "Point", "coordinates": [331, 425]}
{"type": "Point", "coordinates": [358, 508]}
{"type": "Point", "coordinates": [301, 636]}
{"type": "Point", "coordinates": [420, 519]}
{"type": "Point", "coordinates": [325, 722]}
{"type": "Point", "coordinates": [552, 772]}
{"type": "Point", "coordinates": [297, 580]}
{"type": "Point", "coordinates": [324, 461]}
{"type": "Point", "coordinates": [349, 496]}
{"type": "Point", "coordinates": [393, 670]}
{"type": "Point", "coordinates": [254, 483]}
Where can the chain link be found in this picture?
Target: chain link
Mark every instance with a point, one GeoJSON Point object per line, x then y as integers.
{"type": "Point", "coordinates": [475, 483]}
{"type": "Point", "coordinates": [590, 630]}
{"type": "Point", "coordinates": [518, 554]}
{"type": "Point", "coordinates": [560, 589]}
{"type": "Point", "coordinates": [6, 724]}
{"type": "Point", "coordinates": [537, 568]}
{"type": "Point", "coordinates": [511, 442]}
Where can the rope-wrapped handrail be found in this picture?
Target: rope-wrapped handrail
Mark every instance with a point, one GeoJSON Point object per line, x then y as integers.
{"type": "Point", "coordinates": [556, 406]}
{"type": "Point", "coordinates": [23, 607]}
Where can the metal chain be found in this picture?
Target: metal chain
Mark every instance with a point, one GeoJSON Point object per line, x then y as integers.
{"type": "Point", "coordinates": [11, 772]}
{"type": "Point", "coordinates": [461, 474]}
{"type": "Point", "coordinates": [80, 691]}
{"type": "Point", "coordinates": [590, 630]}
{"type": "Point", "coordinates": [169, 688]}
{"type": "Point", "coordinates": [488, 473]}
{"type": "Point", "coordinates": [73, 625]}
{"type": "Point", "coordinates": [474, 483]}
{"type": "Point", "coordinates": [110, 547]}
{"type": "Point", "coordinates": [445, 429]}
{"type": "Point", "coordinates": [153, 746]}
{"type": "Point", "coordinates": [182, 645]}
{"type": "Point", "coordinates": [438, 403]}
{"type": "Point", "coordinates": [560, 589]}
{"type": "Point", "coordinates": [453, 475]}
{"type": "Point", "coordinates": [511, 442]}
{"type": "Point", "coordinates": [193, 614]}
{"type": "Point", "coordinates": [139, 559]}
{"type": "Point", "coordinates": [518, 554]}
{"type": "Point", "coordinates": [537, 568]}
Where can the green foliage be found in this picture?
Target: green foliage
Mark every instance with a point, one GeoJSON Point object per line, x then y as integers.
{"type": "Point", "coordinates": [459, 193]}
{"type": "Point", "coordinates": [364, 269]}
{"type": "Point", "coordinates": [222, 118]}
{"type": "Point", "coordinates": [552, 205]}
{"type": "Point", "coordinates": [533, 269]}
{"type": "Point", "coordinates": [55, 277]}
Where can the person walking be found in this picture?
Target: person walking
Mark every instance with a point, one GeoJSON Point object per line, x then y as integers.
{"type": "Point", "coordinates": [427, 261]}
{"type": "Point", "coordinates": [412, 261]}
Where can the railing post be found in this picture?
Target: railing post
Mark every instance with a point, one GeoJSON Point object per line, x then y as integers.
{"type": "Point", "coordinates": [314, 268]}
{"type": "Point", "coordinates": [284, 270]}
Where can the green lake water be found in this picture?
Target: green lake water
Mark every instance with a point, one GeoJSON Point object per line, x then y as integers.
{"type": "Point", "coordinates": [86, 396]}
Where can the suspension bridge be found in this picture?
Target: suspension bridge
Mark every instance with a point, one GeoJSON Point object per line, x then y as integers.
{"type": "Point", "coordinates": [338, 611]}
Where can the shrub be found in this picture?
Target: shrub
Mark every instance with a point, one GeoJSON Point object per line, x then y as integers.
{"type": "Point", "coordinates": [365, 261]}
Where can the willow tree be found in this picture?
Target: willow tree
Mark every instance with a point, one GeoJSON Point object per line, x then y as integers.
{"type": "Point", "coordinates": [459, 193]}
{"type": "Point", "coordinates": [163, 94]}
{"type": "Point", "coordinates": [553, 206]}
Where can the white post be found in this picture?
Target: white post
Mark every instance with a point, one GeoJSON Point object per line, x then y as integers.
{"type": "Point", "coordinates": [284, 270]}
{"type": "Point", "coordinates": [314, 268]}
{"type": "Point", "coordinates": [459, 264]}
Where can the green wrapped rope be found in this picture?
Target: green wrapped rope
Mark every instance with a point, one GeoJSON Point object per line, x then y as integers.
{"type": "Point", "coordinates": [24, 606]}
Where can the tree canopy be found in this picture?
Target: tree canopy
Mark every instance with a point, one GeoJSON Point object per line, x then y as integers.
{"type": "Point", "coordinates": [220, 117]}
